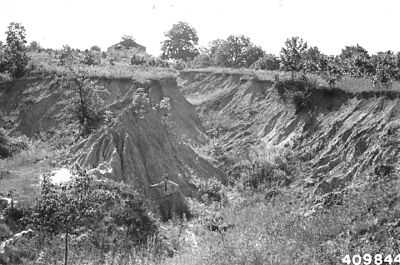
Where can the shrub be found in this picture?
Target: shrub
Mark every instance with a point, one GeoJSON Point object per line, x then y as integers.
{"type": "Point", "coordinates": [90, 58]}
{"type": "Point", "coordinates": [260, 171]}
{"type": "Point", "coordinates": [138, 60]}
{"type": "Point", "coordinates": [95, 48]}
{"type": "Point", "coordinates": [140, 102]}
{"type": "Point", "coordinates": [298, 92]}
{"type": "Point", "coordinates": [267, 62]}
{"type": "Point", "coordinates": [212, 188]}
{"type": "Point", "coordinates": [8, 147]}
{"type": "Point", "coordinates": [34, 46]}
{"type": "Point", "coordinates": [67, 56]}
{"type": "Point", "coordinates": [202, 61]}
{"type": "Point", "coordinates": [105, 215]}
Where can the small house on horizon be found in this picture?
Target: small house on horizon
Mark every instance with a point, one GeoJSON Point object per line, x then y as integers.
{"type": "Point", "coordinates": [128, 44]}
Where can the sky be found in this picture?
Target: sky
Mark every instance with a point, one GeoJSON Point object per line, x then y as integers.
{"type": "Point", "coordinates": [328, 24]}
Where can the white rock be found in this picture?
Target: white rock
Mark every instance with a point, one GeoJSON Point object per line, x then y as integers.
{"type": "Point", "coordinates": [61, 175]}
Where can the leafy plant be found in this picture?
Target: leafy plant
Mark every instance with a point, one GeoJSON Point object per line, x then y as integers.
{"type": "Point", "coordinates": [292, 55]}
{"type": "Point", "coordinates": [90, 58]}
{"type": "Point", "coordinates": [15, 53]}
{"type": "Point", "coordinates": [312, 60]}
{"type": "Point", "coordinates": [180, 43]}
{"type": "Point", "coordinates": [140, 102]}
{"type": "Point", "coordinates": [330, 70]}
{"type": "Point", "coordinates": [202, 61]}
{"type": "Point", "coordinates": [386, 69]}
{"type": "Point", "coordinates": [95, 48]}
{"type": "Point", "coordinates": [298, 92]}
{"type": "Point", "coordinates": [138, 60]}
{"type": "Point", "coordinates": [267, 62]}
{"type": "Point", "coordinates": [212, 188]}
{"type": "Point", "coordinates": [235, 51]}
{"type": "Point", "coordinates": [83, 103]}
{"type": "Point", "coordinates": [355, 61]}
{"type": "Point", "coordinates": [98, 210]}
{"type": "Point", "coordinates": [67, 56]}
{"type": "Point", "coordinates": [34, 46]}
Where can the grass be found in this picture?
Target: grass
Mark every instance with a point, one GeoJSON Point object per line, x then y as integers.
{"type": "Point", "coordinates": [45, 64]}
{"type": "Point", "coordinates": [348, 84]}
{"type": "Point", "coordinates": [26, 167]}
{"type": "Point", "coordinates": [276, 231]}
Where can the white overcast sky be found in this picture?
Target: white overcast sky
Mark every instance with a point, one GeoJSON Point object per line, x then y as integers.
{"type": "Point", "coordinates": [328, 24]}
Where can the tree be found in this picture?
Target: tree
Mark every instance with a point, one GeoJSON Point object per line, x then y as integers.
{"type": "Point", "coordinates": [292, 55]}
{"type": "Point", "coordinates": [34, 46]}
{"type": "Point", "coordinates": [83, 205]}
{"type": "Point", "coordinates": [15, 54]}
{"type": "Point", "coordinates": [398, 66]}
{"type": "Point", "coordinates": [385, 69]}
{"type": "Point", "coordinates": [312, 60]}
{"type": "Point", "coordinates": [95, 48]}
{"type": "Point", "coordinates": [235, 51]}
{"type": "Point", "coordinates": [67, 56]}
{"type": "Point", "coordinates": [83, 105]}
{"type": "Point", "coordinates": [267, 62]}
{"type": "Point", "coordinates": [214, 45]}
{"type": "Point", "coordinates": [180, 43]}
{"type": "Point", "coordinates": [202, 60]}
{"type": "Point", "coordinates": [330, 70]}
{"type": "Point", "coordinates": [251, 55]}
{"type": "Point", "coordinates": [355, 61]}
{"type": "Point", "coordinates": [3, 66]}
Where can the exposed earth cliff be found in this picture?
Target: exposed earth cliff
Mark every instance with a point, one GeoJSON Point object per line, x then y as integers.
{"type": "Point", "coordinates": [135, 149]}
{"type": "Point", "coordinates": [340, 136]}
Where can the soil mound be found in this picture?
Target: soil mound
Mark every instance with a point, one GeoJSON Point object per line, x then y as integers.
{"type": "Point", "coordinates": [138, 149]}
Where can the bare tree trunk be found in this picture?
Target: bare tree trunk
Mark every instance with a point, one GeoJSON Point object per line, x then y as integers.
{"type": "Point", "coordinates": [66, 249]}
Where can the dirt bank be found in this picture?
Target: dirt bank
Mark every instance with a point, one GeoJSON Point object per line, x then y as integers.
{"type": "Point", "coordinates": [340, 138]}
{"type": "Point", "coordinates": [129, 149]}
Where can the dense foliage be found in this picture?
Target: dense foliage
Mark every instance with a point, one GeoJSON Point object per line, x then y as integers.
{"type": "Point", "coordinates": [235, 51]}
{"type": "Point", "coordinates": [292, 55]}
{"type": "Point", "coordinates": [180, 43]}
{"type": "Point", "coordinates": [104, 214]}
{"type": "Point", "coordinates": [14, 58]}
{"type": "Point", "coordinates": [83, 104]}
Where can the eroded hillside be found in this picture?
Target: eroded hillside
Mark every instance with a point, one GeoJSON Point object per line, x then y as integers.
{"type": "Point", "coordinates": [339, 137]}
{"type": "Point", "coordinates": [135, 149]}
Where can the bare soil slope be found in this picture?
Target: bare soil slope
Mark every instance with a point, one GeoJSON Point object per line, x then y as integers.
{"type": "Point", "coordinates": [130, 149]}
{"type": "Point", "coordinates": [138, 150]}
{"type": "Point", "coordinates": [341, 137]}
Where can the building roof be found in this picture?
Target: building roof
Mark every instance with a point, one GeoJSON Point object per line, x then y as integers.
{"type": "Point", "coordinates": [127, 44]}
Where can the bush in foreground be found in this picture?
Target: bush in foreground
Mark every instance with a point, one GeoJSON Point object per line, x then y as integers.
{"type": "Point", "coordinates": [88, 214]}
